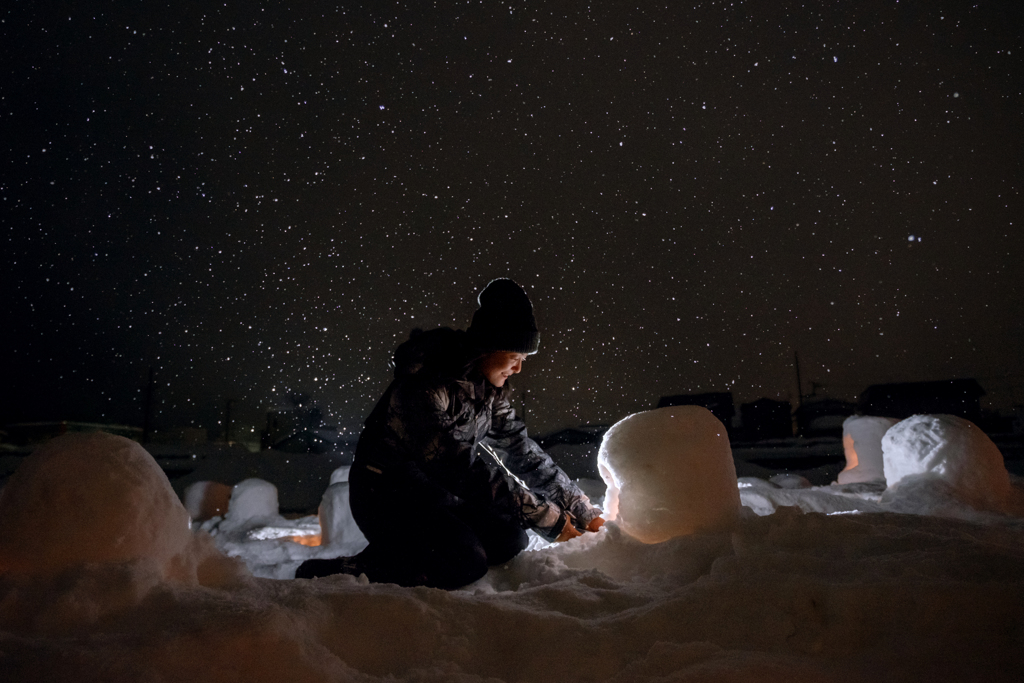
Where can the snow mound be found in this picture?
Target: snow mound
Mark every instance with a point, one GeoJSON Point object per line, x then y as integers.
{"type": "Point", "coordinates": [787, 597]}
{"type": "Point", "coordinates": [254, 532]}
{"type": "Point", "coordinates": [787, 480]}
{"type": "Point", "coordinates": [862, 443]}
{"type": "Point", "coordinates": [337, 527]}
{"type": "Point", "coordinates": [252, 501]}
{"type": "Point", "coordinates": [90, 499]}
{"type": "Point", "coordinates": [340, 475]}
{"type": "Point", "coordinates": [767, 497]}
{"type": "Point", "coordinates": [206, 499]}
{"type": "Point", "coordinates": [669, 473]}
{"type": "Point", "coordinates": [949, 450]}
{"type": "Point", "coordinates": [251, 498]}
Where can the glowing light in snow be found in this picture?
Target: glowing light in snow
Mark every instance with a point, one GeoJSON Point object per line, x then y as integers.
{"type": "Point", "coordinates": [310, 541]}
{"type": "Point", "coordinates": [305, 535]}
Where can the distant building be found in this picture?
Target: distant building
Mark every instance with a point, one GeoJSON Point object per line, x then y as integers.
{"type": "Point", "coordinates": [823, 417]}
{"type": "Point", "coordinates": [575, 449]}
{"type": "Point", "coordinates": [297, 426]}
{"type": "Point", "coordinates": [719, 403]}
{"type": "Point", "coordinates": [961, 397]}
{"type": "Point", "coordinates": [766, 419]}
{"type": "Point", "coordinates": [184, 436]}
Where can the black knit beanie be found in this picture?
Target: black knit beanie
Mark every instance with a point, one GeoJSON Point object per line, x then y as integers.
{"type": "Point", "coordinates": [504, 321]}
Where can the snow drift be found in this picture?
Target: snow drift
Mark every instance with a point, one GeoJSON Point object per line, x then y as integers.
{"type": "Point", "coordinates": [851, 592]}
{"type": "Point", "coordinates": [789, 596]}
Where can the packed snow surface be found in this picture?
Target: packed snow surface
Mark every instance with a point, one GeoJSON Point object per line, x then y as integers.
{"type": "Point", "coordinates": [669, 472]}
{"type": "Point", "coordinates": [822, 584]}
{"type": "Point", "coordinates": [862, 444]}
{"type": "Point", "coordinates": [950, 452]}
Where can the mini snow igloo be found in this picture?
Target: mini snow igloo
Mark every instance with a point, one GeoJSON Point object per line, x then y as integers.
{"type": "Point", "coordinates": [90, 499]}
{"type": "Point", "coordinates": [206, 499]}
{"type": "Point", "coordinates": [669, 473]}
{"type": "Point", "coordinates": [950, 449]}
{"type": "Point", "coordinates": [862, 443]}
{"type": "Point", "coordinates": [335, 514]}
{"type": "Point", "coordinates": [252, 499]}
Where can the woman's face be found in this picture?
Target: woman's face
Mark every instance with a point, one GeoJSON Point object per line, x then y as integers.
{"type": "Point", "coordinates": [498, 366]}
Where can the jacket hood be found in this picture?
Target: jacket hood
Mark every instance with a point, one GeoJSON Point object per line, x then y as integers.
{"type": "Point", "coordinates": [443, 352]}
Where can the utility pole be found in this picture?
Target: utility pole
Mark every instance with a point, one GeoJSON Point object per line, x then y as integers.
{"type": "Point", "coordinates": [227, 420]}
{"type": "Point", "coordinates": [799, 392]}
{"type": "Point", "coordinates": [147, 408]}
{"type": "Point", "coordinates": [799, 386]}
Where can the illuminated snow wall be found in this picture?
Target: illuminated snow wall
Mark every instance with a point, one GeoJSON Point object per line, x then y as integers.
{"type": "Point", "coordinates": [669, 473]}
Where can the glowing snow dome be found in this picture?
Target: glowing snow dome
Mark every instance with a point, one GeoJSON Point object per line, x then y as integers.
{"type": "Point", "coordinates": [862, 445]}
{"type": "Point", "coordinates": [89, 499]}
{"type": "Point", "coordinates": [948, 449]}
{"type": "Point", "coordinates": [252, 501]}
{"type": "Point", "coordinates": [669, 473]}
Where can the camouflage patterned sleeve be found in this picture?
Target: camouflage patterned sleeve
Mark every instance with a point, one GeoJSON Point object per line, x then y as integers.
{"type": "Point", "coordinates": [528, 461]}
{"type": "Point", "coordinates": [420, 429]}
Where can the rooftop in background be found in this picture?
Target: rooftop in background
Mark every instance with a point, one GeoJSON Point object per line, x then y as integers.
{"type": "Point", "coordinates": [961, 397]}
{"type": "Point", "coordinates": [720, 404]}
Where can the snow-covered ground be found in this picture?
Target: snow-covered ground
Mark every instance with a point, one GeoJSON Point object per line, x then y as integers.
{"type": "Point", "coordinates": [924, 581]}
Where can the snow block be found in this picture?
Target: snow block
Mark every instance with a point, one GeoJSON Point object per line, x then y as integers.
{"type": "Point", "coordinates": [950, 449]}
{"type": "Point", "coordinates": [206, 499]}
{"type": "Point", "coordinates": [862, 443]}
{"type": "Point", "coordinates": [790, 481]}
{"type": "Point", "coordinates": [341, 474]}
{"type": "Point", "coordinates": [669, 473]}
{"type": "Point", "coordinates": [89, 499]}
{"type": "Point", "coordinates": [337, 527]}
{"type": "Point", "coordinates": [251, 499]}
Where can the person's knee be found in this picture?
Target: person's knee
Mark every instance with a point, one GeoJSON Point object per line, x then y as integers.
{"type": "Point", "coordinates": [475, 566]}
{"type": "Point", "coordinates": [503, 549]}
{"type": "Point", "coordinates": [502, 538]}
{"type": "Point", "coordinates": [459, 567]}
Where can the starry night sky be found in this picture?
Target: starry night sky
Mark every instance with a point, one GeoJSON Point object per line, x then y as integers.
{"type": "Point", "coordinates": [257, 198]}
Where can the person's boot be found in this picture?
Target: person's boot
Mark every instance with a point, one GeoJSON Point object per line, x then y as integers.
{"type": "Point", "coordinates": [311, 569]}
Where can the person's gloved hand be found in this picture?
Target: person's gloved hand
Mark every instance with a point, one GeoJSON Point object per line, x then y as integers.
{"type": "Point", "coordinates": [568, 531]}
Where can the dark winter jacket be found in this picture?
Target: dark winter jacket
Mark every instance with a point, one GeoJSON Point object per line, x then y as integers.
{"type": "Point", "coordinates": [427, 438]}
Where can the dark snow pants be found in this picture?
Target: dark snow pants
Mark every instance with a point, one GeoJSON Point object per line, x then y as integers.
{"type": "Point", "coordinates": [442, 547]}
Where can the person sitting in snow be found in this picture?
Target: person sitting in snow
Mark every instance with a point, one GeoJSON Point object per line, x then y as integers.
{"type": "Point", "coordinates": [445, 478]}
